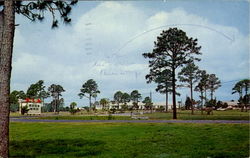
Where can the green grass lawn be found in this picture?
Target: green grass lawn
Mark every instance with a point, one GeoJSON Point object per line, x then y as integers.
{"type": "Point", "coordinates": [129, 140]}
{"type": "Point", "coordinates": [186, 115]}
{"type": "Point", "coordinates": [181, 115]}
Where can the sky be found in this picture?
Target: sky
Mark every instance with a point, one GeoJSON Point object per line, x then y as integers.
{"type": "Point", "coordinates": [106, 39]}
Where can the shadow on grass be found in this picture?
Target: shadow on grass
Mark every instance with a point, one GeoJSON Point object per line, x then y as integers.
{"type": "Point", "coordinates": [56, 148]}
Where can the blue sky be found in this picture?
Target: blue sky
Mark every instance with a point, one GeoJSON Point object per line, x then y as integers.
{"type": "Point", "coordinates": [96, 45]}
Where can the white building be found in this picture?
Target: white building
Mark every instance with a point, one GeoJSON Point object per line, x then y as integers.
{"type": "Point", "coordinates": [34, 105]}
{"type": "Point", "coordinates": [140, 104]}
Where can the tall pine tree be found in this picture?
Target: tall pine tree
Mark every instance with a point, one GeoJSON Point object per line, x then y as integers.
{"type": "Point", "coordinates": [172, 50]}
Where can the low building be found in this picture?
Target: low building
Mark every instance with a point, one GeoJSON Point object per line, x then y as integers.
{"type": "Point", "coordinates": [34, 106]}
{"type": "Point", "coordinates": [140, 104]}
{"type": "Point", "coordinates": [234, 104]}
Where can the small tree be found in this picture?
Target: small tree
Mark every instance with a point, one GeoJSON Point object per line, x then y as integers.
{"type": "Point", "coordinates": [72, 108]}
{"type": "Point", "coordinates": [163, 81]}
{"type": "Point", "coordinates": [24, 110]}
{"type": "Point", "coordinates": [188, 103]}
{"type": "Point", "coordinates": [211, 103]}
{"type": "Point", "coordinates": [148, 103]}
{"type": "Point", "coordinates": [15, 95]}
{"type": "Point", "coordinates": [56, 91]}
{"type": "Point", "coordinates": [213, 84]}
{"type": "Point", "coordinates": [104, 102]}
{"type": "Point", "coordinates": [244, 102]}
{"type": "Point", "coordinates": [225, 105]}
{"type": "Point", "coordinates": [89, 89]}
{"type": "Point", "coordinates": [190, 75]}
{"type": "Point", "coordinates": [125, 98]}
{"type": "Point", "coordinates": [219, 104]}
{"type": "Point", "coordinates": [202, 87]}
{"type": "Point", "coordinates": [118, 97]}
{"type": "Point", "coordinates": [239, 87]}
{"type": "Point", "coordinates": [135, 96]}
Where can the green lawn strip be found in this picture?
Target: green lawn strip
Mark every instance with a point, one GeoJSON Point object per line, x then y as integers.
{"type": "Point", "coordinates": [79, 117]}
{"type": "Point", "coordinates": [186, 115]}
{"type": "Point", "coordinates": [181, 115]}
{"type": "Point", "coordinates": [111, 140]}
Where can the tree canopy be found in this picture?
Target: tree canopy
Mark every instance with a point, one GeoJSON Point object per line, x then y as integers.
{"type": "Point", "coordinates": [240, 86]}
{"type": "Point", "coordinates": [88, 90]}
{"type": "Point", "coordinates": [37, 90]}
{"type": "Point", "coordinates": [148, 103]}
{"type": "Point", "coordinates": [15, 95]}
{"type": "Point", "coordinates": [135, 96]}
{"type": "Point", "coordinates": [36, 10]}
{"type": "Point", "coordinates": [104, 102]}
{"type": "Point", "coordinates": [125, 98]}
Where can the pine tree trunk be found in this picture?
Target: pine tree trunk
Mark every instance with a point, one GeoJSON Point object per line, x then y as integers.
{"type": "Point", "coordinates": [166, 101]}
{"type": "Point", "coordinates": [174, 97]}
{"type": "Point", "coordinates": [205, 95]}
{"type": "Point", "coordinates": [90, 106]}
{"type": "Point", "coordinates": [6, 49]}
{"type": "Point", "coordinates": [202, 102]}
{"type": "Point", "coordinates": [212, 95]}
{"type": "Point", "coordinates": [58, 103]}
{"type": "Point", "coordinates": [191, 91]}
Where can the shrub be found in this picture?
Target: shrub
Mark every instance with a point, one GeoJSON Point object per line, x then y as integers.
{"type": "Point", "coordinates": [112, 110]}
{"type": "Point", "coordinates": [24, 110]}
{"type": "Point", "coordinates": [14, 107]}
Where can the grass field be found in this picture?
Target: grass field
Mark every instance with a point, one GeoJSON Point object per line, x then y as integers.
{"type": "Point", "coordinates": [217, 115]}
{"type": "Point", "coordinates": [126, 140]}
{"type": "Point", "coordinates": [181, 115]}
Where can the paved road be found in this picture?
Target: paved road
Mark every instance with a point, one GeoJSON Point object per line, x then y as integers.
{"type": "Point", "coordinates": [132, 121]}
